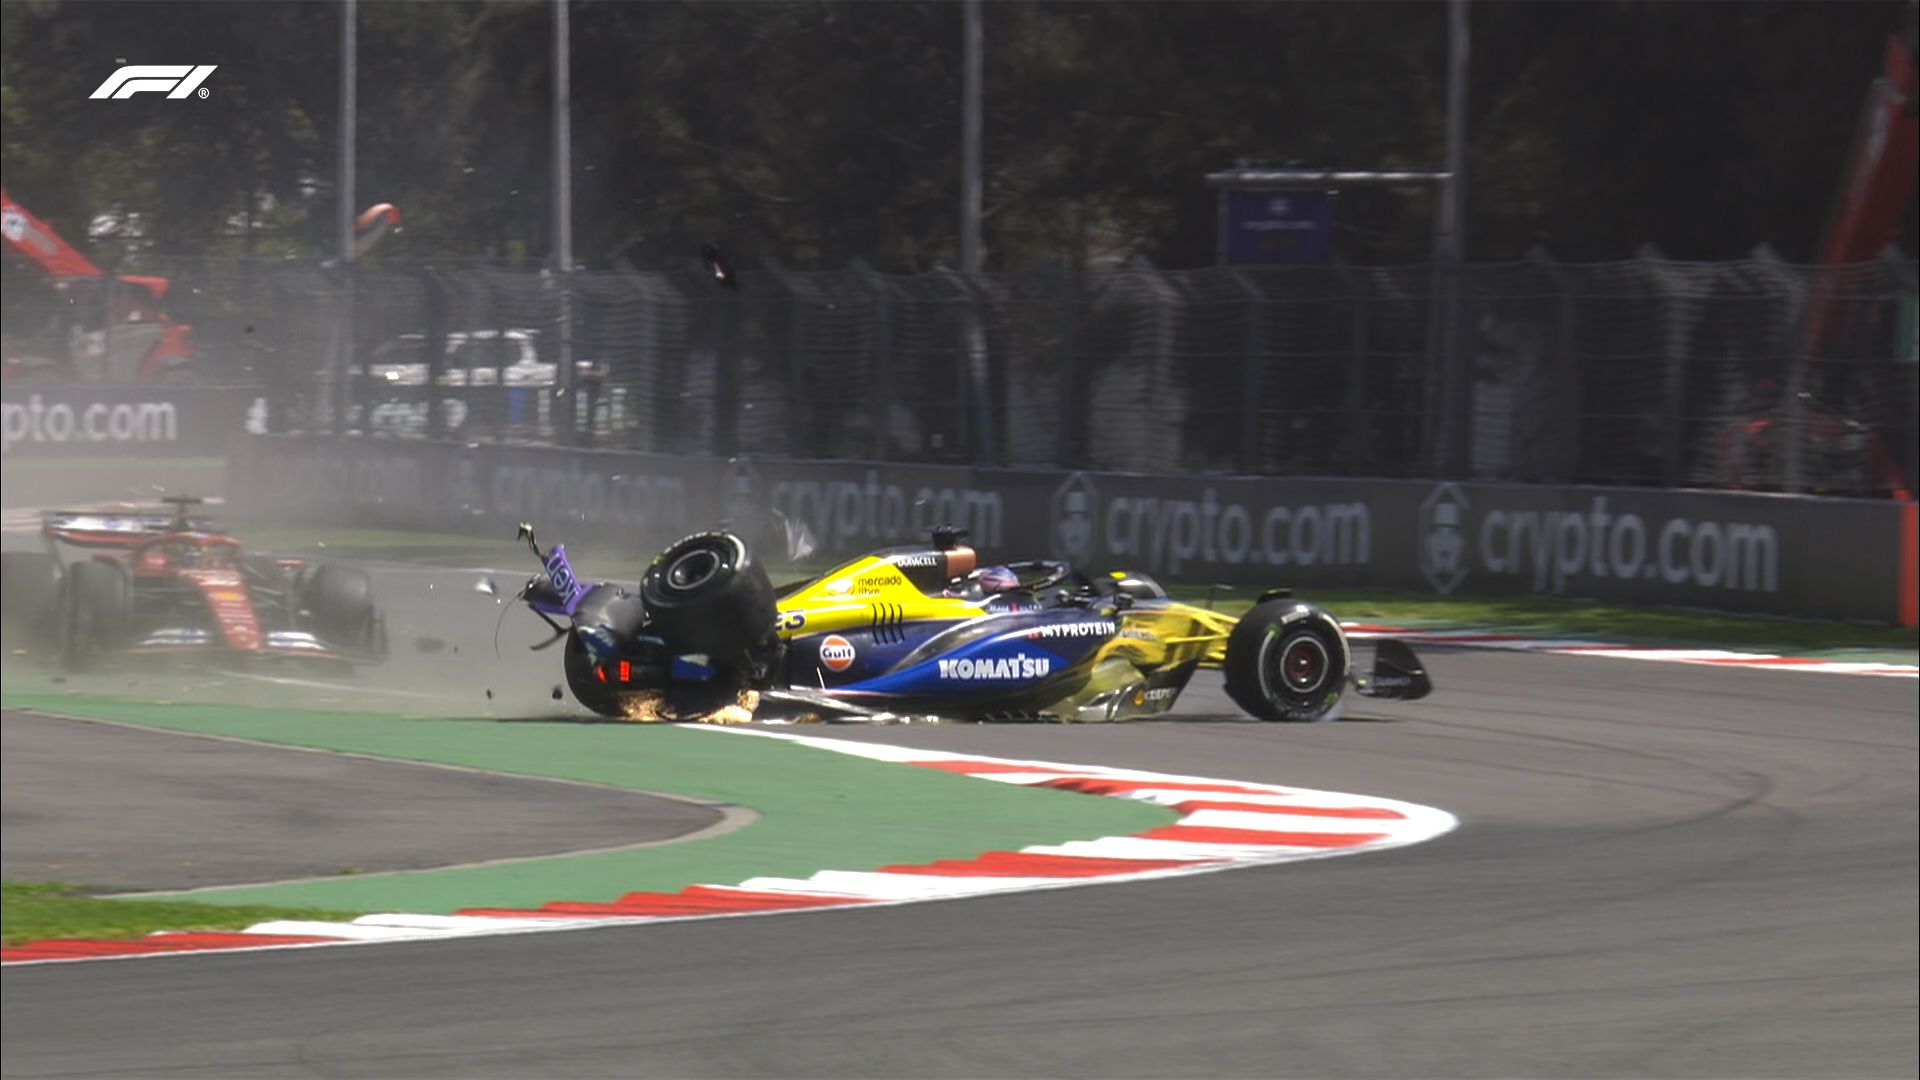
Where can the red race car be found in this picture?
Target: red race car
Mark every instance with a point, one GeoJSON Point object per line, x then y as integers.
{"type": "Point", "coordinates": [134, 581]}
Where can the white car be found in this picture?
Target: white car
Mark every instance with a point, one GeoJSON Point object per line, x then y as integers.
{"type": "Point", "coordinates": [478, 359]}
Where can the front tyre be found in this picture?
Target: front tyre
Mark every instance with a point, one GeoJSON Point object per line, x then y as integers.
{"type": "Point", "coordinates": [707, 594]}
{"type": "Point", "coordinates": [339, 602]}
{"type": "Point", "coordinates": [1287, 662]}
{"type": "Point", "coordinates": [93, 613]}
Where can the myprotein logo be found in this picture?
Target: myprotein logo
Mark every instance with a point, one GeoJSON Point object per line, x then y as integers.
{"type": "Point", "coordinates": [174, 80]}
{"type": "Point", "coordinates": [1074, 630]}
{"type": "Point", "coordinates": [131, 422]}
{"type": "Point", "coordinates": [1559, 548]}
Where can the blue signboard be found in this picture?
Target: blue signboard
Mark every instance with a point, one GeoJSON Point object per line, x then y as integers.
{"type": "Point", "coordinates": [1276, 227]}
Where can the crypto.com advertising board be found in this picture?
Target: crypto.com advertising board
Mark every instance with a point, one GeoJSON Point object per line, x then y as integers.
{"type": "Point", "coordinates": [1835, 558]}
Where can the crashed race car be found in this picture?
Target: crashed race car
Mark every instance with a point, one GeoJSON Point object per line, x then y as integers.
{"type": "Point", "coordinates": [925, 631]}
{"type": "Point", "coordinates": [134, 581]}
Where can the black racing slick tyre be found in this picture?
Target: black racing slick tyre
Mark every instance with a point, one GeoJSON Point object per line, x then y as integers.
{"type": "Point", "coordinates": [339, 604]}
{"type": "Point", "coordinates": [585, 683]}
{"type": "Point", "coordinates": [29, 592]}
{"type": "Point", "coordinates": [93, 611]}
{"type": "Point", "coordinates": [707, 594]}
{"type": "Point", "coordinates": [1287, 662]}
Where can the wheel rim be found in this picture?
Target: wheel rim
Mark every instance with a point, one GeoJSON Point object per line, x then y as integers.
{"type": "Point", "coordinates": [692, 570]}
{"type": "Point", "coordinates": [1302, 664]}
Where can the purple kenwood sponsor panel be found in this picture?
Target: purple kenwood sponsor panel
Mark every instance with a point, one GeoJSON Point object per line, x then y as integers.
{"type": "Point", "coordinates": [1832, 558]}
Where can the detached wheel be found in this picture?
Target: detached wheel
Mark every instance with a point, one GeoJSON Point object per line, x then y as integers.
{"type": "Point", "coordinates": [338, 601]}
{"type": "Point", "coordinates": [707, 594]}
{"type": "Point", "coordinates": [1286, 662]}
{"type": "Point", "coordinates": [93, 608]}
{"type": "Point", "coordinates": [584, 684]}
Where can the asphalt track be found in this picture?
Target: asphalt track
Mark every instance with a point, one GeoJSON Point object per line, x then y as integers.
{"type": "Point", "coordinates": [1661, 870]}
{"type": "Point", "coordinates": [125, 809]}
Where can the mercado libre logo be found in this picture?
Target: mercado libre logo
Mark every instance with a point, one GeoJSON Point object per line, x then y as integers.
{"type": "Point", "coordinates": [837, 653]}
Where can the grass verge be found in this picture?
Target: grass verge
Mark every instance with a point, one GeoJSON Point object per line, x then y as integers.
{"type": "Point", "coordinates": [40, 910]}
{"type": "Point", "coordinates": [1586, 619]}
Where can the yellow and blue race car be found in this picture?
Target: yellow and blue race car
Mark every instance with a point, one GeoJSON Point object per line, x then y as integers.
{"type": "Point", "coordinates": [927, 631]}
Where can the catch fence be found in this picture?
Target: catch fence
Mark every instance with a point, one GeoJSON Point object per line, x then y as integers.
{"type": "Point", "coordinates": [1750, 373]}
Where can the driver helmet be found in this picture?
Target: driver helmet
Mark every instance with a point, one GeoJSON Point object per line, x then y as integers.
{"type": "Point", "coordinates": [984, 582]}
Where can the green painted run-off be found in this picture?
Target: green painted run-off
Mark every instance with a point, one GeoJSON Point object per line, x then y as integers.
{"type": "Point", "coordinates": [819, 810]}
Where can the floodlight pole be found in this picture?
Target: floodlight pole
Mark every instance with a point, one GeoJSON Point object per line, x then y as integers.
{"type": "Point", "coordinates": [1451, 449]}
{"type": "Point", "coordinates": [970, 124]}
{"type": "Point", "coordinates": [343, 185]}
{"type": "Point", "coordinates": [567, 402]}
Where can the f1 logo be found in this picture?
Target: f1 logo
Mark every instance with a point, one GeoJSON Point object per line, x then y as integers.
{"type": "Point", "coordinates": [177, 80]}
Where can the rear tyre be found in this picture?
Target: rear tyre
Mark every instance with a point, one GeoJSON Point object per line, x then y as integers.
{"type": "Point", "coordinates": [338, 601]}
{"type": "Point", "coordinates": [29, 591]}
{"type": "Point", "coordinates": [93, 609]}
{"type": "Point", "coordinates": [584, 682]}
{"type": "Point", "coordinates": [1287, 662]}
{"type": "Point", "coordinates": [707, 594]}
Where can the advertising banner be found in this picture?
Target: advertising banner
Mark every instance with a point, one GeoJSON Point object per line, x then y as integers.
{"type": "Point", "coordinates": [1741, 552]}
{"type": "Point", "coordinates": [1727, 551]}
{"type": "Point", "coordinates": [134, 421]}
{"type": "Point", "coordinates": [1264, 228]}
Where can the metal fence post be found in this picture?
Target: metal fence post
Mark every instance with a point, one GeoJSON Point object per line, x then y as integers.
{"type": "Point", "coordinates": [1359, 424]}
{"type": "Point", "coordinates": [880, 406]}
{"type": "Point", "coordinates": [1674, 372]}
{"type": "Point", "coordinates": [1073, 434]}
{"type": "Point", "coordinates": [800, 433]}
{"type": "Point", "coordinates": [982, 443]}
{"type": "Point", "coordinates": [1566, 376]}
{"type": "Point", "coordinates": [725, 312]}
{"type": "Point", "coordinates": [1793, 460]}
{"type": "Point", "coordinates": [1253, 344]}
{"type": "Point", "coordinates": [436, 348]}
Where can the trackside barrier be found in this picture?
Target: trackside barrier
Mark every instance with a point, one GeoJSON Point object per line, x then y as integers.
{"type": "Point", "coordinates": [164, 420]}
{"type": "Point", "coordinates": [1772, 554]}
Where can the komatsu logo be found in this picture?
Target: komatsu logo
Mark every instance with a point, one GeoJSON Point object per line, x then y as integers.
{"type": "Point", "coordinates": [1018, 666]}
{"type": "Point", "coordinates": [1074, 630]}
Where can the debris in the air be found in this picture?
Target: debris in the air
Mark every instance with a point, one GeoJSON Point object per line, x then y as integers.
{"type": "Point", "coordinates": [489, 695]}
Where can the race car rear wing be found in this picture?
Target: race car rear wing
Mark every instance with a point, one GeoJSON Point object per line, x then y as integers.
{"type": "Point", "coordinates": [103, 528]}
{"type": "Point", "coordinates": [122, 525]}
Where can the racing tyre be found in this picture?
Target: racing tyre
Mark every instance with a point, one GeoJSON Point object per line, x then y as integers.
{"type": "Point", "coordinates": [586, 686]}
{"type": "Point", "coordinates": [93, 608]}
{"type": "Point", "coordinates": [1287, 662]}
{"type": "Point", "coordinates": [339, 602]}
{"type": "Point", "coordinates": [707, 594]}
{"type": "Point", "coordinates": [29, 588]}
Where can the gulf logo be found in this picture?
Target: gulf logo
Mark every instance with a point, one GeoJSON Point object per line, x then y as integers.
{"type": "Point", "coordinates": [836, 653]}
